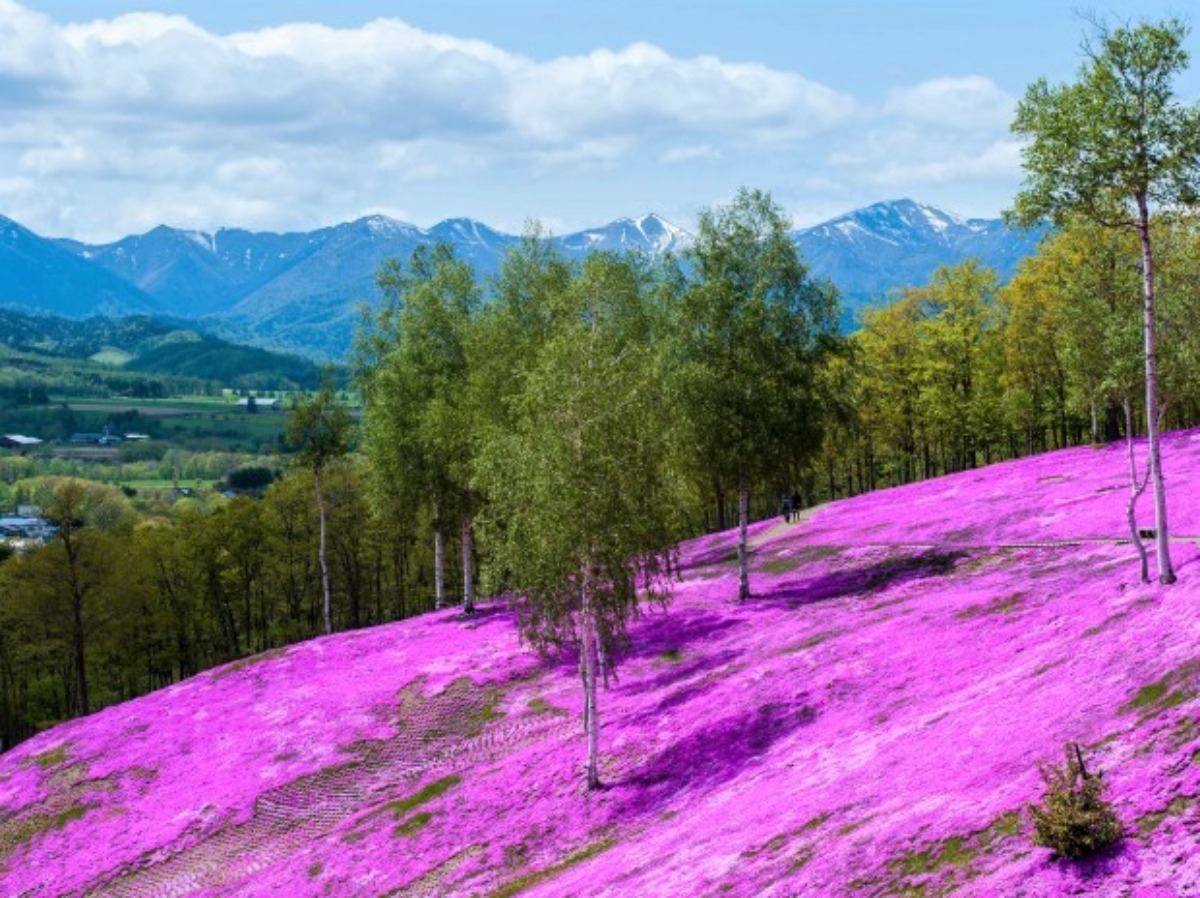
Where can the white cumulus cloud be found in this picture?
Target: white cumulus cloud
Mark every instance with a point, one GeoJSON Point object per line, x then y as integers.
{"type": "Point", "coordinates": [299, 124]}
{"type": "Point", "coordinates": [969, 102]}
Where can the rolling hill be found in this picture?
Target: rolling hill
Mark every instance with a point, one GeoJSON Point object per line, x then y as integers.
{"type": "Point", "coordinates": [153, 345]}
{"type": "Point", "coordinates": [870, 723]}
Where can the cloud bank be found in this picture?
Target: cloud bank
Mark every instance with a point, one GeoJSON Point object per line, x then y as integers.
{"type": "Point", "coordinates": [112, 126]}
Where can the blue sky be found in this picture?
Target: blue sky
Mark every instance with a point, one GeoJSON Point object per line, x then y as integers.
{"type": "Point", "coordinates": [122, 115]}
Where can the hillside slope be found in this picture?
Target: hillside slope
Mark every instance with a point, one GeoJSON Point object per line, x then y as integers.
{"type": "Point", "coordinates": [870, 723]}
{"type": "Point", "coordinates": [36, 273]}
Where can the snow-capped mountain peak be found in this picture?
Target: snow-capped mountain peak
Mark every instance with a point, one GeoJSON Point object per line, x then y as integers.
{"type": "Point", "coordinates": [387, 228]}
{"type": "Point", "coordinates": [648, 233]}
{"type": "Point", "coordinates": [204, 241]}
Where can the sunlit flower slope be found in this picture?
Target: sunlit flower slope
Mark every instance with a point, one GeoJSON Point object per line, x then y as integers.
{"type": "Point", "coordinates": [870, 723]}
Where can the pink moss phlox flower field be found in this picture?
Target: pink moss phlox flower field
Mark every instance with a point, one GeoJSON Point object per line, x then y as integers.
{"type": "Point", "coordinates": [871, 722]}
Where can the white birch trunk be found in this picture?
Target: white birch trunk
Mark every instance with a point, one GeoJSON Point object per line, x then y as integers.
{"type": "Point", "coordinates": [743, 553]}
{"type": "Point", "coordinates": [323, 555]}
{"type": "Point", "coordinates": [439, 568]}
{"type": "Point", "coordinates": [1136, 488]}
{"type": "Point", "coordinates": [1166, 573]}
{"type": "Point", "coordinates": [590, 657]}
{"type": "Point", "coordinates": [468, 551]}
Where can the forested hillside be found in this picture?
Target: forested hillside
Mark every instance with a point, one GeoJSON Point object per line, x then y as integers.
{"type": "Point", "coordinates": [870, 722]}
{"type": "Point", "coordinates": [151, 345]}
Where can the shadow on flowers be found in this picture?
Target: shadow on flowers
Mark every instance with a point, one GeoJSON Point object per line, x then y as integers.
{"type": "Point", "coordinates": [864, 580]}
{"type": "Point", "coordinates": [713, 755]}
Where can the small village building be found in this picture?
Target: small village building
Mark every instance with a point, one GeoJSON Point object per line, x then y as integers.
{"type": "Point", "coordinates": [20, 527]}
{"type": "Point", "coordinates": [262, 403]}
{"type": "Point", "coordinates": [18, 441]}
{"type": "Point", "coordinates": [95, 439]}
{"type": "Point", "coordinates": [136, 437]}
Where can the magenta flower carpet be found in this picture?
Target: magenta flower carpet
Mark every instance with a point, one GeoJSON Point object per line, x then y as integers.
{"type": "Point", "coordinates": [871, 723]}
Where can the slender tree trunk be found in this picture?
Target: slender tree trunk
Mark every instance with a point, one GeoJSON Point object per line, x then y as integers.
{"type": "Point", "coordinates": [743, 554]}
{"type": "Point", "coordinates": [468, 551]}
{"type": "Point", "coordinates": [1112, 422]}
{"type": "Point", "coordinates": [81, 683]}
{"type": "Point", "coordinates": [439, 568]}
{"type": "Point", "coordinates": [323, 555]}
{"type": "Point", "coordinates": [1166, 573]}
{"type": "Point", "coordinates": [722, 521]}
{"type": "Point", "coordinates": [1136, 488]}
{"type": "Point", "coordinates": [590, 659]}
{"type": "Point", "coordinates": [71, 546]}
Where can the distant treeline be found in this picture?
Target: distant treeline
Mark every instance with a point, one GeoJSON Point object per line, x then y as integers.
{"type": "Point", "coordinates": [138, 604]}
{"type": "Point", "coordinates": [963, 372]}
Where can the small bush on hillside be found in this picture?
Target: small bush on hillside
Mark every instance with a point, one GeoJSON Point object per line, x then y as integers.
{"type": "Point", "coordinates": [255, 478]}
{"type": "Point", "coordinates": [1074, 819]}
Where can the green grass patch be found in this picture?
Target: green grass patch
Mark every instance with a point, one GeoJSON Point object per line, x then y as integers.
{"type": "Point", "coordinates": [671, 656]}
{"type": "Point", "coordinates": [948, 863]}
{"type": "Point", "coordinates": [779, 566]}
{"type": "Point", "coordinates": [540, 706]}
{"type": "Point", "coordinates": [1048, 666]}
{"type": "Point", "coordinates": [1006, 605]}
{"type": "Point", "coordinates": [436, 789]}
{"type": "Point", "coordinates": [315, 870]}
{"type": "Point", "coordinates": [801, 858]}
{"type": "Point", "coordinates": [1171, 691]}
{"type": "Point", "coordinates": [412, 825]}
{"type": "Point", "coordinates": [730, 556]}
{"type": "Point", "coordinates": [52, 758]}
{"type": "Point", "coordinates": [166, 484]}
{"type": "Point", "coordinates": [536, 877]}
{"type": "Point", "coordinates": [1177, 807]}
{"type": "Point", "coordinates": [812, 641]}
{"type": "Point", "coordinates": [808, 554]}
{"type": "Point", "coordinates": [21, 832]}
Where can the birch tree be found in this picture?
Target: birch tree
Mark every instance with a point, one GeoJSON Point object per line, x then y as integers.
{"type": "Point", "coordinates": [581, 503]}
{"type": "Point", "coordinates": [419, 430]}
{"type": "Point", "coordinates": [1114, 147]}
{"type": "Point", "coordinates": [319, 428]}
{"type": "Point", "coordinates": [753, 328]}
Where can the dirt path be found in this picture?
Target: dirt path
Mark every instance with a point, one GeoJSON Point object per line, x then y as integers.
{"type": "Point", "coordinates": [782, 527]}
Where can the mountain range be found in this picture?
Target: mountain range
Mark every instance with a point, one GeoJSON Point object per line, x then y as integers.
{"type": "Point", "coordinates": [301, 291]}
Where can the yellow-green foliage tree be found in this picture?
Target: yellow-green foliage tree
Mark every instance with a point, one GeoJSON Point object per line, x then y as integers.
{"type": "Point", "coordinates": [1114, 146]}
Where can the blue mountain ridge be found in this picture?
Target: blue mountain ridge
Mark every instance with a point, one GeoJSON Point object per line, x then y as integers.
{"type": "Point", "coordinates": [301, 291]}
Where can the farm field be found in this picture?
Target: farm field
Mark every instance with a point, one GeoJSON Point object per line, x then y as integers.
{"type": "Point", "coordinates": [870, 722]}
{"type": "Point", "coordinates": [198, 423]}
{"type": "Point", "coordinates": [189, 483]}
{"type": "Point", "coordinates": [151, 408]}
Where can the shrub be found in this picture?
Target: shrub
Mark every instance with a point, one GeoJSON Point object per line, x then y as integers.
{"type": "Point", "coordinates": [255, 478]}
{"type": "Point", "coordinates": [1074, 819]}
